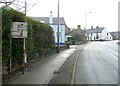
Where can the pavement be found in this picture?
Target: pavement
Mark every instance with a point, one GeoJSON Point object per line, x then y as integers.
{"type": "Point", "coordinates": [41, 72]}
{"type": "Point", "coordinates": [65, 74]}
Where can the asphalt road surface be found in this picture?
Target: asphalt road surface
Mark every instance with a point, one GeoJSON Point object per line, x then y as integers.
{"type": "Point", "coordinates": [98, 64]}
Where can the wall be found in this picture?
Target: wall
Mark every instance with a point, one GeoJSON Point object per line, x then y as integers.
{"type": "Point", "coordinates": [62, 33]}
{"type": "Point", "coordinates": [102, 36]}
{"type": "Point", "coordinates": [105, 36]}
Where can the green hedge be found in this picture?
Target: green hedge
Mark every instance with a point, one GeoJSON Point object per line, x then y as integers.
{"type": "Point", "coordinates": [40, 37]}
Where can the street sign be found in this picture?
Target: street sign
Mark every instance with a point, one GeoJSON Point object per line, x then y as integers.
{"type": "Point", "coordinates": [19, 30]}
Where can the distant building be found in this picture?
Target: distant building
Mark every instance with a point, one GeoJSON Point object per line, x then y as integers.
{"type": "Point", "coordinates": [98, 33]}
{"type": "Point", "coordinates": [67, 31]}
{"type": "Point", "coordinates": [116, 35]}
{"type": "Point", "coordinates": [53, 22]}
{"type": "Point", "coordinates": [78, 33]}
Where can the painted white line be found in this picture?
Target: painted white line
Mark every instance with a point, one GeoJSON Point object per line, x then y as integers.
{"type": "Point", "coordinates": [112, 50]}
{"type": "Point", "coordinates": [113, 56]}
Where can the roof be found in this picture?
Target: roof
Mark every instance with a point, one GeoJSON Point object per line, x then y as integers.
{"type": "Point", "coordinates": [46, 20]}
{"type": "Point", "coordinates": [94, 30]}
{"type": "Point", "coordinates": [117, 33]}
{"type": "Point", "coordinates": [67, 30]}
{"type": "Point", "coordinates": [76, 31]}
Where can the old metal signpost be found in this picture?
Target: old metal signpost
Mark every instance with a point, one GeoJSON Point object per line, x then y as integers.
{"type": "Point", "coordinates": [19, 30]}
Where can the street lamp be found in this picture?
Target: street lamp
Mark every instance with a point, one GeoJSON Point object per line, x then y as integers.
{"type": "Point", "coordinates": [86, 19]}
{"type": "Point", "coordinates": [86, 23]}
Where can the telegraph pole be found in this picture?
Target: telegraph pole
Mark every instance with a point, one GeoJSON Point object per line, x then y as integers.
{"type": "Point", "coordinates": [24, 54]}
{"type": "Point", "coordinates": [58, 34]}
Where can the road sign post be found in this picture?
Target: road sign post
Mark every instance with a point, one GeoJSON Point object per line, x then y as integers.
{"type": "Point", "coordinates": [19, 30]}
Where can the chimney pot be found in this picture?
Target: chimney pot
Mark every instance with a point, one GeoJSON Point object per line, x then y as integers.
{"type": "Point", "coordinates": [79, 27]}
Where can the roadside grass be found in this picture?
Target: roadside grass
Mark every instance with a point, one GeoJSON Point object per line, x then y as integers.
{"type": "Point", "coordinates": [71, 72]}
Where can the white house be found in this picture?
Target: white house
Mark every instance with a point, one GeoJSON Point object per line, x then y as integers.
{"type": "Point", "coordinates": [53, 22]}
{"type": "Point", "coordinates": [98, 33]}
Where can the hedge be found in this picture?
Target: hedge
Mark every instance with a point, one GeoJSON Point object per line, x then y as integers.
{"type": "Point", "coordinates": [40, 37]}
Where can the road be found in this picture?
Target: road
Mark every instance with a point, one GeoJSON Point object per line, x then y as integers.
{"type": "Point", "coordinates": [98, 64]}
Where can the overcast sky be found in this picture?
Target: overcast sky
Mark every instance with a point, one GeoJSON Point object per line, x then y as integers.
{"type": "Point", "coordinates": [104, 13]}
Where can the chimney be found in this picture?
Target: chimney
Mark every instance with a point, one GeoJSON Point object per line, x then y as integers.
{"type": "Point", "coordinates": [91, 27]}
{"type": "Point", "coordinates": [51, 18]}
{"type": "Point", "coordinates": [79, 27]}
{"type": "Point", "coordinates": [97, 26]}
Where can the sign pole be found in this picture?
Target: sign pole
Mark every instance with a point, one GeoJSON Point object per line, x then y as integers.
{"type": "Point", "coordinates": [10, 60]}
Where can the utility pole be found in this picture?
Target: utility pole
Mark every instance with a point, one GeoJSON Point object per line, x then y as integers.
{"type": "Point", "coordinates": [0, 46]}
{"type": "Point", "coordinates": [58, 34]}
{"type": "Point", "coordinates": [24, 54]}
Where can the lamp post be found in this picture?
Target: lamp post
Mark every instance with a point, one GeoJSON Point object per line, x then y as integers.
{"type": "Point", "coordinates": [86, 19]}
{"type": "Point", "coordinates": [86, 24]}
{"type": "Point", "coordinates": [58, 30]}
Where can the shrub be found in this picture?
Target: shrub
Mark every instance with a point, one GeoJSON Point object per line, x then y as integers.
{"type": "Point", "coordinates": [40, 37]}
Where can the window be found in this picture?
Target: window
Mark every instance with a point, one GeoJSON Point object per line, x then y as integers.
{"type": "Point", "coordinates": [97, 36]}
{"type": "Point", "coordinates": [42, 21]}
{"type": "Point", "coordinates": [91, 34]}
{"type": "Point", "coordinates": [107, 34]}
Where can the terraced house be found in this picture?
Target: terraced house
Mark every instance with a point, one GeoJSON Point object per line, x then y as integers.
{"type": "Point", "coordinates": [98, 33]}
{"type": "Point", "coordinates": [53, 22]}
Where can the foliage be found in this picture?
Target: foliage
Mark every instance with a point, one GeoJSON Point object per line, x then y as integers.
{"type": "Point", "coordinates": [40, 36]}
{"type": "Point", "coordinates": [6, 25]}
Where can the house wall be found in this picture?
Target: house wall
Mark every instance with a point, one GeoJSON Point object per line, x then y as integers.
{"type": "Point", "coordinates": [66, 38]}
{"type": "Point", "coordinates": [62, 37]}
{"type": "Point", "coordinates": [105, 35]}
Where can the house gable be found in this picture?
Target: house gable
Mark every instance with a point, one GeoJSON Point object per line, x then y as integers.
{"type": "Point", "coordinates": [98, 34]}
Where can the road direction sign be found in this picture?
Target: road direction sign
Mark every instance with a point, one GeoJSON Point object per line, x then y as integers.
{"type": "Point", "coordinates": [19, 30]}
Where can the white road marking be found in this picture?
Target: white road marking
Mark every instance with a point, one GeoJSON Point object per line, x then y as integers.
{"type": "Point", "coordinates": [112, 50]}
{"type": "Point", "coordinates": [111, 54]}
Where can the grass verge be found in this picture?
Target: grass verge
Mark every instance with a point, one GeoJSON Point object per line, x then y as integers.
{"type": "Point", "coordinates": [71, 72]}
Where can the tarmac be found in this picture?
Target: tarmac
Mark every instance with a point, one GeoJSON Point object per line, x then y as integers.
{"type": "Point", "coordinates": [41, 72]}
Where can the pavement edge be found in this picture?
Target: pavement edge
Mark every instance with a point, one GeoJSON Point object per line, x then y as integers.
{"type": "Point", "coordinates": [51, 76]}
{"type": "Point", "coordinates": [75, 64]}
